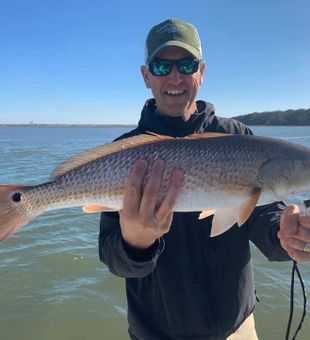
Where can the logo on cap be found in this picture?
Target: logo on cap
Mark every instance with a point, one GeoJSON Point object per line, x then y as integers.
{"type": "Point", "coordinates": [170, 28]}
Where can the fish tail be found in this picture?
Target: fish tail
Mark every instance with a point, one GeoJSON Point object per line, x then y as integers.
{"type": "Point", "coordinates": [12, 212]}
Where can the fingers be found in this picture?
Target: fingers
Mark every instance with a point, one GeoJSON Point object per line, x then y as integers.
{"type": "Point", "coordinates": [299, 256]}
{"type": "Point", "coordinates": [294, 234]}
{"type": "Point", "coordinates": [304, 221]}
{"type": "Point", "coordinates": [294, 248]}
{"type": "Point", "coordinates": [167, 205]}
{"type": "Point", "coordinates": [145, 203]}
{"type": "Point", "coordinates": [162, 215]}
{"type": "Point", "coordinates": [289, 220]}
{"type": "Point", "coordinates": [141, 221]}
{"type": "Point", "coordinates": [142, 203]}
{"type": "Point", "coordinates": [133, 188]}
{"type": "Point", "coordinates": [303, 234]}
{"type": "Point", "coordinates": [151, 191]}
{"type": "Point", "coordinates": [294, 243]}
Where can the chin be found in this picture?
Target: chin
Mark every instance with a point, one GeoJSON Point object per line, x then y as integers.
{"type": "Point", "coordinates": [184, 115]}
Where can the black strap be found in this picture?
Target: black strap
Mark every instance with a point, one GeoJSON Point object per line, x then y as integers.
{"type": "Point", "coordinates": [289, 324]}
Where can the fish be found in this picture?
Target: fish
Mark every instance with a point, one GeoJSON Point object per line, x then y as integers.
{"type": "Point", "coordinates": [224, 175]}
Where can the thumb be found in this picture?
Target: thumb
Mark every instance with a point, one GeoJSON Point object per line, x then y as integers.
{"type": "Point", "coordinates": [289, 220]}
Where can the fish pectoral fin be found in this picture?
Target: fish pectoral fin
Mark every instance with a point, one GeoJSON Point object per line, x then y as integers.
{"type": "Point", "coordinates": [223, 220]}
{"type": "Point", "coordinates": [248, 206]}
{"type": "Point", "coordinates": [91, 209]}
{"type": "Point", "coordinates": [206, 213]}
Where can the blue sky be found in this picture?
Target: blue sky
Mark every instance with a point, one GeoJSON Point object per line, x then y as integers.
{"type": "Point", "coordinates": [79, 61]}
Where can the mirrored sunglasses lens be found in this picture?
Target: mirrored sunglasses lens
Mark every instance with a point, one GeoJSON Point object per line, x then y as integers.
{"type": "Point", "coordinates": [160, 67]}
{"type": "Point", "coordinates": [188, 66]}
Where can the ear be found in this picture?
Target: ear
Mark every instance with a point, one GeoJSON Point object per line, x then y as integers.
{"type": "Point", "coordinates": [146, 76]}
{"type": "Point", "coordinates": [202, 71]}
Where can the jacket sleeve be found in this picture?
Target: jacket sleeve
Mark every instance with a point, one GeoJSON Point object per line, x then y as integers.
{"type": "Point", "coordinates": [264, 225]}
{"type": "Point", "coordinates": [121, 259]}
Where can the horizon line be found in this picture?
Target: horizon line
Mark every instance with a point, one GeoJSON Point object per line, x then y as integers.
{"type": "Point", "coordinates": [67, 124]}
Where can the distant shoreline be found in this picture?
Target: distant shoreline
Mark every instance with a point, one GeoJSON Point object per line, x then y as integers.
{"type": "Point", "coordinates": [299, 117]}
{"type": "Point", "coordinates": [68, 125]}
{"type": "Point", "coordinates": [107, 126]}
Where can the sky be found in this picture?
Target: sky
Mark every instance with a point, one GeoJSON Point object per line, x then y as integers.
{"type": "Point", "coordinates": [78, 62]}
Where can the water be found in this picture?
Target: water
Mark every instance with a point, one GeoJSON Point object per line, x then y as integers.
{"type": "Point", "coordinates": [52, 285]}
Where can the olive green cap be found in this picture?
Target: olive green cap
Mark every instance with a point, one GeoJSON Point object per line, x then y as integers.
{"type": "Point", "coordinates": [172, 32]}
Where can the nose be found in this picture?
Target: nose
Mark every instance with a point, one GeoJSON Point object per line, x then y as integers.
{"type": "Point", "coordinates": [175, 76]}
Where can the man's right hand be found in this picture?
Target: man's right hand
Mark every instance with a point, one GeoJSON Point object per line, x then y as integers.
{"type": "Point", "coordinates": [142, 221]}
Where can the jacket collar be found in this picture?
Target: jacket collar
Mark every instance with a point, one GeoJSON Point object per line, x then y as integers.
{"type": "Point", "coordinates": [175, 126]}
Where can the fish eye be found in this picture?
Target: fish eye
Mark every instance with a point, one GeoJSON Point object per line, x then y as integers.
{"type": "Point", "coordinates": [16, 197]}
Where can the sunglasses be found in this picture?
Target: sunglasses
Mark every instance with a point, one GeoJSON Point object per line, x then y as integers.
{"type": "Point", "coordinates": [163, 67]}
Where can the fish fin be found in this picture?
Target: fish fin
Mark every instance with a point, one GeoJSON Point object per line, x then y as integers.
{"type": "Point", "coordinates": [205, 135]}
{"type": "Point", "coordinates": [223, 220]}
{"type": "Point", "coordinates": [91, 209]}
{"type": "Point", "coordinates": [121, 145]}
{"type": "Point", "coordinates": [105, 150]}
{"type": "Point", "coordinates": [195, 135]}
{"type": "Point", "coordinates": [10, 218]}
{"type": "Point", "coordinates": [206, 213]}
{"type": "Point", "coordinates": [248, 206]}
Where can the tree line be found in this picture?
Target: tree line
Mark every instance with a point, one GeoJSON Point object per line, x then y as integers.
{"type": "Point", "coordinates": [288, 117]}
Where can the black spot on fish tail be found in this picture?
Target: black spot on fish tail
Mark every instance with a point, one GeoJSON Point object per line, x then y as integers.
{"type": "Point", "coordinates": [16, 197]}
{"type": "Point", "coordinates": [12, 217]}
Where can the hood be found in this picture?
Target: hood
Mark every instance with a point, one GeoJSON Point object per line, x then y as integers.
{"type": "Point", "coordinates": [175, 126]}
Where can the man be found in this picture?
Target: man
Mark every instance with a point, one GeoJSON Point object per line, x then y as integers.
{"type": "Point", "coordinates": [180, 283]}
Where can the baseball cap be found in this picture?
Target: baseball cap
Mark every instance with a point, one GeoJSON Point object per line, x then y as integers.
{"type": "Point", "coordinates": [172, 32]}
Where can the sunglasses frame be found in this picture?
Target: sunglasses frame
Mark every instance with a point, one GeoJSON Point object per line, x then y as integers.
{"type": "Point", "coordinates": [172, 62]}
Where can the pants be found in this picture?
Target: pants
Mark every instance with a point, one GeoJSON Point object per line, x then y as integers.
{"type": "Point", "coordinates": [246, 331]}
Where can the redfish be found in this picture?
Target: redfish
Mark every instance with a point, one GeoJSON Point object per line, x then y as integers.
{"type": "Point", "coordinates": [223, 175]}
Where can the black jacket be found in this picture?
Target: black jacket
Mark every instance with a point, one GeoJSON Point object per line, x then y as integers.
{"type": "Point", "coordinates": [188, 285]}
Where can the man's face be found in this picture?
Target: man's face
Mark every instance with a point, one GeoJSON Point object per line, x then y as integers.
{"type": "Point", "coordinates": [174, 93]}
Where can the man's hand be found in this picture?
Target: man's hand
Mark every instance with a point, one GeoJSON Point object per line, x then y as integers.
{"type": "Point", "coordinates": [142, 221]}
{"type": "Point", "coordinates": [294, 234]}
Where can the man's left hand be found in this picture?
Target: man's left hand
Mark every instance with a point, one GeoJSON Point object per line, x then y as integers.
{"type": "Point", "coordinates": [294, 234]}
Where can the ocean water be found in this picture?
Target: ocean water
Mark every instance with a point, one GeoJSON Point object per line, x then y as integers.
{"type": "Point", "coordinates": [52, 284]}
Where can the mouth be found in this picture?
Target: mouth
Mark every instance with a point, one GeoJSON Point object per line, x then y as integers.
{"type": "Point", "coordinates": [174, 93]}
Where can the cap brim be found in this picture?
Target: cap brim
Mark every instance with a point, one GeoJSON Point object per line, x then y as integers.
{"type": "Point", "coordinates": [192, 50]}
